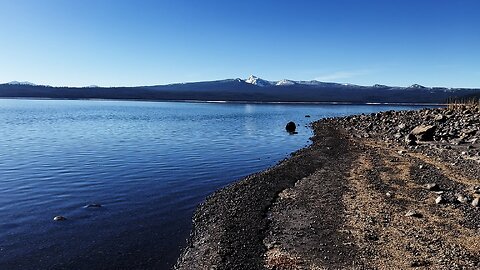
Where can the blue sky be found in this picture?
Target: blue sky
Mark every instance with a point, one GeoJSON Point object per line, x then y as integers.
{"type": "Point", "coordinates": [126, 43]}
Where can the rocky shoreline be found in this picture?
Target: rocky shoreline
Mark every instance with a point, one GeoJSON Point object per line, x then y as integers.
{"type": "Point", "coordinates": [391, 190]}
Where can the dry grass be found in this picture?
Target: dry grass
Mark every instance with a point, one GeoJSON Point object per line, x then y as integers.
{"type": "Point", "coordinates": [461, 104]}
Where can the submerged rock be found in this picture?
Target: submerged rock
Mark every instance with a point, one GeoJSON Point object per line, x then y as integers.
{"type": "Point", "coordinates": [93, 205]}
{"type": "Point", "coordinates": [59, 218]}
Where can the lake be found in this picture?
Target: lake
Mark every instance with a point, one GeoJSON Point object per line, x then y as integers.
{"type": "Point", "coordinates": [147, 163]}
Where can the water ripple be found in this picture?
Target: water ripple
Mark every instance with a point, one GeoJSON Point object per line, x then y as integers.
{"type": "Point", "coordinates": [148, 164]}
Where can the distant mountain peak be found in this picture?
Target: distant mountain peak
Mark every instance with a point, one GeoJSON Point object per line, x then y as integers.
{"type": "Point", "coordinates": [20, 83]}
{"type": "Point", "coordinates": [257, 81]}
{"type": "Point", "coordinates": [285, 82]}
{"type": "Point", "coordinates": [417, 86]}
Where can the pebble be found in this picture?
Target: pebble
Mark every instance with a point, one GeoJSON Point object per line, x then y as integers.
{"type": "Point", "coordinates": [413, 213]}
{"type": "Point", "coordinates": [59, 218]}
{"type": "Point", "coordinates": [432, 186]}
{"type": "Point", "coordinates": [476, 202]}
{"type": "Point", "coordinates": [418, 263]}
{"type": "Point", "coordinates": [439, 200]}
{"type": "Point", "coordinates": [462, 199]}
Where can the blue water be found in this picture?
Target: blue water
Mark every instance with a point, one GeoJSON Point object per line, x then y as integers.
{"type": "Point", "coordinates": [147, 163]}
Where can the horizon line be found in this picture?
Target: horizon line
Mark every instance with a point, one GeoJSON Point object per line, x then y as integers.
{"type": "Point", "coordinates": [15, 82]}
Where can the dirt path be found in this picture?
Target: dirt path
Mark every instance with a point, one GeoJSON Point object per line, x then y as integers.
{"type": "Point", "coordinates": [341, 203]}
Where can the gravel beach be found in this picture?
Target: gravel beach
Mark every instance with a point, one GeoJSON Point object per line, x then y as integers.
{"type": "Point", "coordinates": [391, 190]}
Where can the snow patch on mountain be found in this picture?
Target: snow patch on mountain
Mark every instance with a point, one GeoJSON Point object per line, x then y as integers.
{"type": "Point", "coordinates": [257, 81]}
{"type": "Point", "coordinates": [20, 83]}
{"type": "Point", "coordinates": [285, 82]}
{"type": "Point", "coordinates": [417, 86]}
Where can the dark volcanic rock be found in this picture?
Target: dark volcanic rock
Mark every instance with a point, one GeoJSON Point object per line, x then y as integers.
{"type": "Point", "coordinates": [424, 133]}
{"type": "Point", "coordinates": [291, 127]}
{"type": "Point", "coordinates": [410, 139]}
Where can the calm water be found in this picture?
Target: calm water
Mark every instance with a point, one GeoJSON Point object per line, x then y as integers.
{"type": "Point", "coordinates": [149, 164]}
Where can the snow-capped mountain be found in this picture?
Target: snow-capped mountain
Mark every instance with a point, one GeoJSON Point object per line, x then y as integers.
{"type": "Point", "coordinates": [20, 83]}
{"type": "Point", "coordinates": [285, 82]}
{"type": "Point", "coordinates": [257, 81]}
{"type": "Point", "coordinates": [252, 89]}
{"type": "Point", "coordinates": [417, 86]}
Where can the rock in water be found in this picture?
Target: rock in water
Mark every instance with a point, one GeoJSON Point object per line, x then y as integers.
{"type": "Point", "coordinates": [93, 205]}
{"type": "Point", "coordinates": [291, 127]}
{"type": "Point", "coordinates": [59, 218]}
{"type": "Point", "coordinates": [424, 133]}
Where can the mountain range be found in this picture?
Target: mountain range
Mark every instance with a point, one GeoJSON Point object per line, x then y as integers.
{"type": "Point", "coordinates": [252, 89]}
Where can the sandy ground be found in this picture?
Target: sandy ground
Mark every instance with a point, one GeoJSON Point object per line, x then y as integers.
{"type": "Point", "coordinates": [344, 203]}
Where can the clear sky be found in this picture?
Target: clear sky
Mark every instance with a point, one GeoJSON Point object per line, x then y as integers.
{"type": "Point", "coordinates": [126, 43]}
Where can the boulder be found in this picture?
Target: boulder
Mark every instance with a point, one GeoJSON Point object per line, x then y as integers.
{"type": "Point", "coordinates": [423, 132]}
{"type": "Point", "coordinates": [410, 139]}
{"type": "Point", "coordinates": [291, 127]}
{"type": "Point", "coordinates": [440, 118]}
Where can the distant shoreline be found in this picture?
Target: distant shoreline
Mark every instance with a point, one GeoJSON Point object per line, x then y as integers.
{"type": "Point", "coordinates": [238, 102]}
